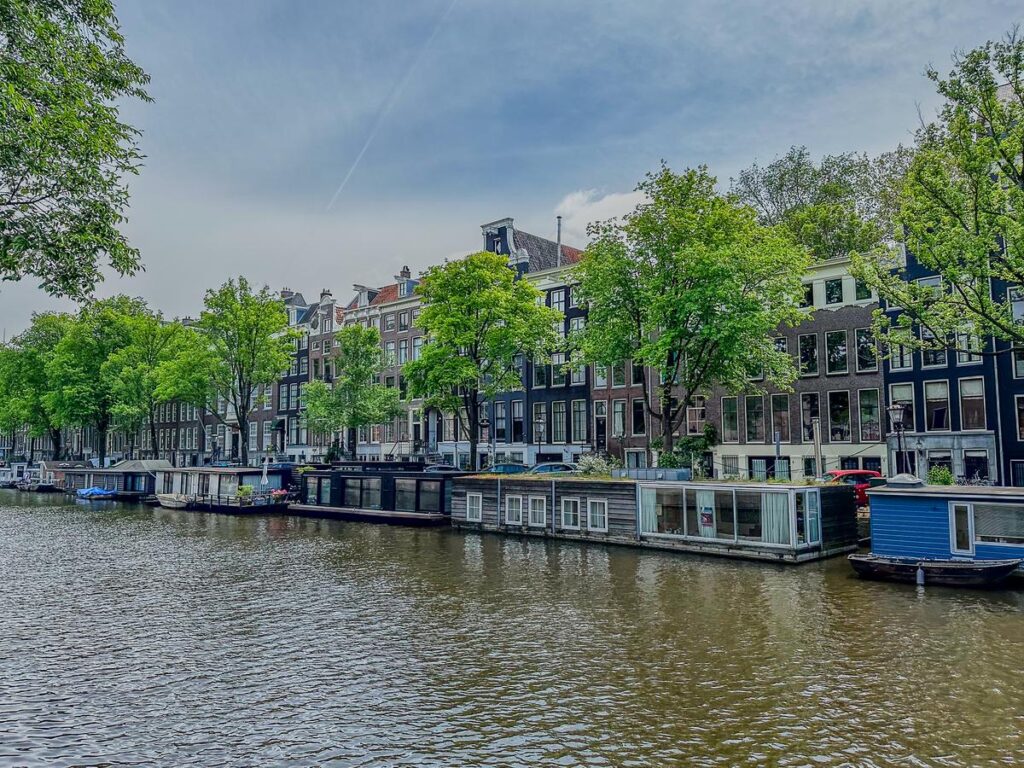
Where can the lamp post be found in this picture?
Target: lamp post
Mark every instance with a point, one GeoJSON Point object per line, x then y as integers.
{"type": "Point", "coordinates": [896, 413]}
{"type": "Point", "coordinates": [539, 436]}
{"type": "Point", "coordinates": [485, 423]}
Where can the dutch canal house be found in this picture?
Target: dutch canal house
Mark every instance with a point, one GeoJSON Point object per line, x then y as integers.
{"type": "Point", "coordinates": [765, 521]}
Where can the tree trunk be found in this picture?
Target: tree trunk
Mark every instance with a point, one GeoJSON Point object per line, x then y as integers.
{"type": "Point", "coordinates": [473, 416]}
{"type": "Point", "coordinates": [55, 443]}
{"type": "Point", "coordinates": [243, 440]}
{"type": "Point", "coordinates": [152, 433]}
{"type": "Point", "coordinates": [102, 432]}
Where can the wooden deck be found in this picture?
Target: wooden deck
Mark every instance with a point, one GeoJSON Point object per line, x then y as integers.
{"type": "Point", "coordinates": [389, 517]}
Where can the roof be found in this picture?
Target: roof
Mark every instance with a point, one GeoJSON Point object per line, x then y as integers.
{"type": "Point", "coordinates": [133, 465]}
{"type": "Point", "coordinates": [385, 294]}
{"type": "Point", "coordinates": [951, 492]}
{"type": "Point", "coordinates": [228, 470]}
{"type": "Point", "coordinates": [543, 252]}
{"type": "Point", "coordinates": [307, 314]}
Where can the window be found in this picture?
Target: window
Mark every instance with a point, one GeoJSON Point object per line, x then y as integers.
{"type": "Point", "coordinates": [513, 510]}
{"type": "Point", "coordinates": [972, 404]}
{"type": "Point", "coordinates": [618, 418]}
{"type": "Point", "coordinates": [558, 300]}
{"type": "Point", "coordinates": [540, 422]}
{"type": "Point", "coordinates": [730, 466]}
{"type": "Point", "coordinates": [571, 513]}
{"type": "Point", "coordinates": [780, 417]}
{"type": "Point", "coordinates": [809, 410]}
{"type": "Point", "coordinates": [902, 358]}
{"type": "Point", "coordinates": [976, 465]}
{"type": "Point", "coordinates": [936, 406]}
{"type": "Point", "coordinates": [967, 344]}
{"type": "Point", "coordinates": [755, 418]}
{"type": "Point", "coordinates": [558, 421]}
{"type": "Point", "coordinates": [597, 514]}
{"type": "Point", "coordinates": [517, 421]}
{"type": "Point", "coordinates": [933, 355]}
{"type": "Point", "coordinates": [839, 417]}
{"type": "Point", "coordinates": [836, 360]}
{"type": "Point", "coordinates": [579, 421]}
{"type": "Point", "coordinates": [808, 354]}
{"type": "Point", "coordinates": [1016, 297]}
{"type": "Point", "coordinates": [474, 507]}
{"type": "Point", "coordinates": [499, 422]}
{"type": "Point", "coordinates": [636, 373]}
{"type": "Point", "coordinates": [253, 436]}
{"type": "Point", "coordinates": [540, 373]}
{"type": "Point", "coordinates": [389, 353]}
{"type": "Point", "coordinates": [639, 420]}
{"type": "Point", "coordinates": [730, 420]}
{"type": "Point", "coordinates": [267, 435]}
{"type": "Point", "coordinates": [403, 351]}
{"type": "Point", "coordinates": [870, 415]}
{"type": "Point", "coordinates": [834, 291]}
{"type": "Point", "coordinates": [1020, 416]}
{"type": "Point", "coordinates": [600, 376]}
{"type": "Point", "coordinates": [960, 524]}
{"type": "Point", "coordinates": [577, 324]}
{"type": "Point", "coordinates": [904, 393]}
{"type": "Point", "coordinates": [862, 290]}
{"type": "Point", "coordinates": [538, 511]}
{"type": "Point", "coordinates": [619, 375]}
{"type": "Point", "coordinates": [558, 369]}
{"type": "Point", "coordinates": [782, 344]}
{"type": "Point", "coordinates": [998, 523]}
{"type": "Point", "coordinates": [696, 415]}
{"type": "Point", "coordinates": [578, 375]}
{"type": "Point", "coordinates": [403, 321]}
{"type": "Point", "coordinates": [417, 347]}
{"type": "Point", "coordinates": [389, 322]}
{"type": "Point", "coordinates": [808, 298]}
{"type": "Point", "coordinates": [867, 354]}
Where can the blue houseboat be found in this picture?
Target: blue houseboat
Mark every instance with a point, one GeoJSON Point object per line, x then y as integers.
{"type": "Point", "coordinates": [976, 533]}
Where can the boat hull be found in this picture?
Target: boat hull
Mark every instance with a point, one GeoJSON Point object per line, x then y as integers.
{"type": "Point", "coordinates": [173, 501]}
{"type": "Point", "coordinates": [951, 573]}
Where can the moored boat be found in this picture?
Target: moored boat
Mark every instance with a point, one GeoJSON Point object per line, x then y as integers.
{"type": "Point", "coordinates": [950, 573]}
{"type": "Point", "coordinates": [174, 500]}
{"type": "Point", "coordinates": [96, 494]}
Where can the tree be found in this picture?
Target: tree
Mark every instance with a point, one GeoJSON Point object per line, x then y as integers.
{"type": "Point", "coordinates": [82, 395]}
{"type": "Point", "coordinates": [355, 398]}
{"type": "Point", "coordinates": [25, 382]}
{"type": "Point", "coordinates": [240, 345]}
{"type": "Point", "coordinates": [961, 210]}
{"type": "Point", "coordinates": [691, 286]}
{"type": "Point", "coordinates": [63, 151]}
{"type": "Point", "coordinates": [134, 372]}
{"type": "Point", "coordinates": [843, 205]}
{"type": "Point", "coordinates": [479, 320]}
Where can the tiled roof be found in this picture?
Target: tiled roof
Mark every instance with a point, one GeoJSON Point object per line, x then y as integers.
{"type": "Point", "coordinates": [543, 252]}
{"type": "Point", "coordinates": [385, 294]}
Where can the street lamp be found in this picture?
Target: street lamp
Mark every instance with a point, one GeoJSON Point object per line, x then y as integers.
{"type": "Point", "coordinates": [896, 414]}
{"type": "Point", "coordinates": [485, 423]}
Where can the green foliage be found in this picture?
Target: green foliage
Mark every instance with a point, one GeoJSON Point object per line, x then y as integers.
{"type": "Point", "coordinates": [244, 492]}
{"type": "Point", "coordinates": [961, 207]}
{"type": "Point", "coordinates": [597, 464]}
{"type": "Point", "coordinates": [355, 398]}
{"type": "Point", "coordinates": [63, 151]}
{"type": "Point", "coordinates": [241, 343]}
{"type": "Point", "coordinates": [692, 286]}
{"type": "Point", "coordinates": [939, 476]}
{"type": "Point", "coordinates": [478, 317]}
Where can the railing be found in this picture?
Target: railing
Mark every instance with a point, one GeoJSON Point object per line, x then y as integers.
{"type": "Point", "coordinates": [233, 500]}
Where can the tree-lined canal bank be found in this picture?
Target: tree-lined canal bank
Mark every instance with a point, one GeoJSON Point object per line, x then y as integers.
{"type": "Point", "coordinates": [134, 636]}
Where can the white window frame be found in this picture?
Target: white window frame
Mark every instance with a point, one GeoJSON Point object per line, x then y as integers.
{"type": "Point", "coordinates": [952, 528]}
{"type": "Point", "coordinates": [566, 500]}
{"type": "Point", "coordinates": [543, 508]}
{"type": "Point", "coordinates": [603, 503]}
{"type": "Point", "coordinates": [984, 402]}
{"type": "Point", "coordinates": [949, 407]}
{"type": "Point", "coordinates": [479, 514]}
{"type": "Point", "coordinates": [508, 519]}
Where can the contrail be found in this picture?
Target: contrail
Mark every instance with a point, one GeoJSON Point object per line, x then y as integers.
{"type": "Point", "coordinates": [391, 100]}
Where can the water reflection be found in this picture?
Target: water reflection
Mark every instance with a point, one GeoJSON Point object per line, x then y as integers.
{"type": "Point", "coordinates": [155, 637]}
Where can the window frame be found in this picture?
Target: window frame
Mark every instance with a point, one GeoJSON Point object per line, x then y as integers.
{"type": "Point", "coordinates": [579, 509]}
{"type": "Point", "coordinates": [927, 421]}
{"type": "Point", "coordinates": [508, 498]}
{"type": "Point", "coordinates": [960, 403]}
{"type": "Point", "coordinates": [846, 353]}
{"type": "Point", "coordinates": [849, 407]}
{"type": "Point", "coordinates": [479, 499]}
{"type": "Point", "coordinates": [603, 503]}
{"type": "Point", "coordinates": [543, 507]}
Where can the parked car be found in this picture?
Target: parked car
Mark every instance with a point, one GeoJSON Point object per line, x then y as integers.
{"type": "Point", "coordinates": [508, 468]}
{"type": "Point", "coordinates": [441, 468]}
{"type": "Point", "coordinates": [551, 467]}
{"type": "Point", "coordinates": [860, 479]}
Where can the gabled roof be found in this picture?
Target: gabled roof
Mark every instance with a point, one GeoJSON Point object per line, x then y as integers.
{"type": "Point", "coordinates": [543, 252]}
{"type": "Point", "coordinates": [385, 294]}
{"type": "Point", "coordinates": [307, 314]}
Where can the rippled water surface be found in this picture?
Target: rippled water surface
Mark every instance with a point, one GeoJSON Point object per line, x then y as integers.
{"type": "Point", "coordinates": [137, 636]}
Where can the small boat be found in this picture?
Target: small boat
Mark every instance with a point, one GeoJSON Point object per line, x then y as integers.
{"type": "Point", "coordinates": [96, 494]}
{"type": "Point", "coordinates": [949, 573]}
{"type": "Point", "coordinates": [174, 500]}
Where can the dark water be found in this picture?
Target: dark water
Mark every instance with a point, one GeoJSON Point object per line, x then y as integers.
{"type": "Point", "coordinates": [133, 636]}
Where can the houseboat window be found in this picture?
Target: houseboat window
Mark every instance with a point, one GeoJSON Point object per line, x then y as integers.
{"type": "Point", "coordinates": [597, 514]}
{"type": "Point", "coordinates": [405, 494]}
{"type": "Point", "coordinates": [748, 515]}
{"type": "Point", "coordinates": [668, 511]}
{"type": "Point", "coordinates": [474, 507]}
{"type": "Point", "coordinates": [430, 495]}
{"type": "Point", "coordinates": [962, 528]}
{"type": "Point", "coordinates": [351, 492]}
{"type": "Point", "coordinates": [310, 490]}
{"type": "Point", "coordinates": [168, 482]}
{"type": "Point", "coordinates": [570, 513]}
{"type": "Point", "coordinates": [325, 490]}
{"type": "Point", "coordinates": [725, 522]}
{"type": "Point", "coordinates": [513, 510]}
{"type": "Point", "coordinates": [700, 513]}
{"type": "Point", "coordinates": [999, 523]}
{"type": "Point", "coordinates": [371, 493]}
{"type": "Point", "coordinates": [538, 511]}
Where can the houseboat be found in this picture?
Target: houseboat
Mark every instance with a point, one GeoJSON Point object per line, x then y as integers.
{"type": "Point", "coordinates": [764, 521]}
{"type": "Point", "coordinates": [941, 534]}
{"type": "Point", "coordinates": [51, 475]}
{"type": "Point", "coordinates": [13, 474]}
{"type": "Point", "coordinates": [400, 493]}
{"type": "Point", "coordinates": [232, 490]}
{"type": "Point", "coordinates": [129, 480]}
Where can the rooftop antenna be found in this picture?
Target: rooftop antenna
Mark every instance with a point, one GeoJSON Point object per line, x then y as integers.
{"type": "Point", "coordinates": [558, 241]}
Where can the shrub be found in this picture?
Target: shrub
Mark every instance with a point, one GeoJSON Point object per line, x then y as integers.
{"type": "Point", "coordinates": [940, 476]}
{"type": "Point", "coordinates": [245, 491]}
{"type": "Point", "coordinates": [597, 464]}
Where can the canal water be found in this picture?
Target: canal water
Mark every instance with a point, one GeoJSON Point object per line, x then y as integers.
{"type": "Point", "coordinates": [134, 636]}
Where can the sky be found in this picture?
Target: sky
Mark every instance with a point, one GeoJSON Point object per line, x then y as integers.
{"type": "Point", "coordinates": [325, 143]}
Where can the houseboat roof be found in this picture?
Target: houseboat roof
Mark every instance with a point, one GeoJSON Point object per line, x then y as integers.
{"type": "Point", "coordinates": [51, 465]}
{"type": "Point", "coordinates": [950, 491]}
{"type": "Point", "coordinates": [227, 470]}
{"type": "Point", "coordinates": [130, 465]}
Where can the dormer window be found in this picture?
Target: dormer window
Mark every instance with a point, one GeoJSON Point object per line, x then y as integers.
{"type": "Point", "coordinates": [497, 244]}
{"type": "Point", "coordinates": [403, 289]}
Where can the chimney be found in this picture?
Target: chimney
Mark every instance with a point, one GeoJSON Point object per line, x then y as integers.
{"type": "Point", "coordinates": [287, 293]}
{"type": "Point", "coordinates": [405, 274]}
{"type": "Point", "coordinates": [325, 294]}
{"type": "Point", "coordinates": [558, 241]}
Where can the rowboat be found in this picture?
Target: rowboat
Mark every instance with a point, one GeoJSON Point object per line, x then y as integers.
{"type": "Point", "coordinates": [950, 573]}
{"type": "Point", "coordinates": [174, 500]}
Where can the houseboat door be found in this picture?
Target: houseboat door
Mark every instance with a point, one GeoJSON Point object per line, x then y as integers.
{"type": "Point", "coordinates": [961, 529]}
{"type": "Point", "coordinates": [706, 514]}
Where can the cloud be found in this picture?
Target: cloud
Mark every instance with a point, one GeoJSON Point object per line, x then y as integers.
{"type": "Point", "coordinates": [584, 206]}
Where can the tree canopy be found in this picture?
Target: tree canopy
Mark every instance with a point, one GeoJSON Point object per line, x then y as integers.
{"type": "Point", "coordinates": [961, 209]}
{"type": "Point", "coordinates": [690, 285]}
{"type": "Point", "coordinates": [480, 320]}
{"type": "Point", "coordinates": [64, 151]}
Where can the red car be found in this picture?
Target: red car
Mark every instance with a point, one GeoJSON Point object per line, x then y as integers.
{"type": "Point", "coordinates": [860, 479]}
